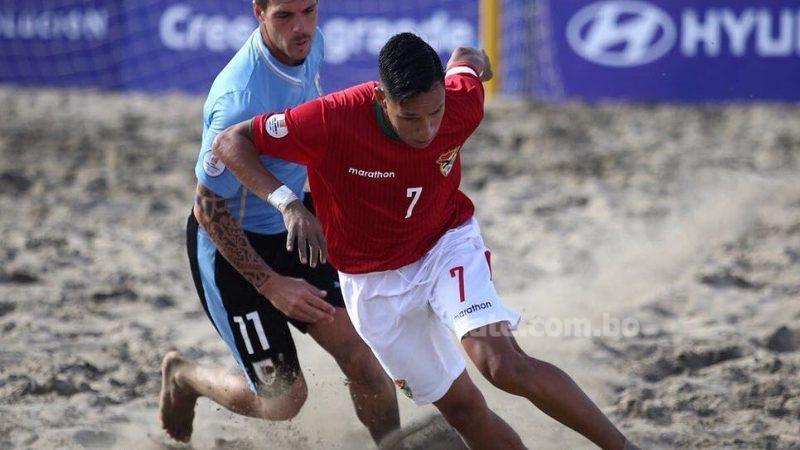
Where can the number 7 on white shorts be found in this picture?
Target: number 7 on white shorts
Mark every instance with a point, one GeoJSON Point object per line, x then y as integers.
{"type": "Point", "coordinates": [458, 272]}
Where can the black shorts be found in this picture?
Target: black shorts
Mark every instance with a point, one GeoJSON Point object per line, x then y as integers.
{"type": "Point", "coordinates": [255, 331]}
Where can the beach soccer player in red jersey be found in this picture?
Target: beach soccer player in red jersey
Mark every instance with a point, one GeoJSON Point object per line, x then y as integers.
{"type": "Point", "coordinates": [383, 162]}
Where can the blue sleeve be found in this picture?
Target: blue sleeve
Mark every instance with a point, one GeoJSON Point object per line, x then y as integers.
{"type": "Point", "coordinates": [230, 109]}
{"type": "Point", "coordinates": [319, 42]}
{"type": "Point", "coordinates": [319, 52]}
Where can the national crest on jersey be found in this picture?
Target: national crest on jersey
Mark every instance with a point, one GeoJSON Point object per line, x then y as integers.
{"type": "Point", "coordinates": [447, 160]}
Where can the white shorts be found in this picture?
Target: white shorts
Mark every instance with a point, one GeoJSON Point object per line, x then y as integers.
{"type": "Point", "coordinates": [408, 316]}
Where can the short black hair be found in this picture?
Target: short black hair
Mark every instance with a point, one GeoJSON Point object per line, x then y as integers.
{"type": "Point", "coordinates": [408, 66]}
{"type": "Point", "coordinates": [262, 3]}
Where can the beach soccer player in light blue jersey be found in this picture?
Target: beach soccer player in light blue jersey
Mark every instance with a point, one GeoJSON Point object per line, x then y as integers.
{"type": "Point", "coordinates": [256, 269]}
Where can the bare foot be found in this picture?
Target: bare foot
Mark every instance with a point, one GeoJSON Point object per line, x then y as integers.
{"type": "Point", "coordinates": [177, 402]}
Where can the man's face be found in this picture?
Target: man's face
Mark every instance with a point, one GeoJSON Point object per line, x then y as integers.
{"type": "Point", "coordinates": [288, 27]}
{"type": "Point", "coordinates": [417, 119]}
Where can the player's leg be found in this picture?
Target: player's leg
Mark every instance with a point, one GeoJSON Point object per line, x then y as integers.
{"type": "Point", "coordinates": [495, 353]}
{"type": "Point", "coordinates": [465, 409]}
{"type": "Point", "coordinates": [269, 384]}
{"type": "Point", "coordinates": [372, 391]}
{"type": "Point", "coordinates": [419, 354]}
{"type": "Point", "coordinates": [184, 381]}
{"type": "Point", "coordinates": [466, 300]}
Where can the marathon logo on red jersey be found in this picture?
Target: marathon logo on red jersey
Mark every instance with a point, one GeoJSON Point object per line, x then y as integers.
{"type": "Point", "coordinates": [370, 173]}
{"type": "Point", "coordinates": [447, 160]}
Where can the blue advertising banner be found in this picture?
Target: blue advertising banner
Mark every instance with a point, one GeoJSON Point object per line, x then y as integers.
{"type": "Point", "coordinates": [149, 45]}
{"type": "Point", "coordinates": [156, 45]}
{"type": "Point", "coordinates": [667, 49]}
{"type": "Point", "coordinates": [180, 45]}
{"type": "Point", "coordinates": [59, 43]}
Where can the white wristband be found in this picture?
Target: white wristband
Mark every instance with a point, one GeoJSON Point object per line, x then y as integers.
{"type": "Point", "coordinates": [281, 197]}
{"type": "Point", "coordinates": [462, 69]}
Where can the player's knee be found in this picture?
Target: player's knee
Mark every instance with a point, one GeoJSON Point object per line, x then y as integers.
{"type": "Point", "coordinates": [465, 412]}
{"type": "Point", "coordinates": [357, 361]}
{"type": "Point", "coordinates": [509, 371]}
{"type": "Point", "coordinates": [463, 406]}
{"type": "Point", "coordinates": [283, 406]}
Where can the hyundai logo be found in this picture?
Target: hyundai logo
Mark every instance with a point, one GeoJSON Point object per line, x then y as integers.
{"type": "Point", "coordinates": [623, 33]}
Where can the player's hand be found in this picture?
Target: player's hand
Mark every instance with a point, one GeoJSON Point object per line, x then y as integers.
{"type": "Point", "coordinates": [306, 233]}
{"type": "Point", "coordinates": [477, 59]}
{"type": "Point", "coordinates": [297, 299]}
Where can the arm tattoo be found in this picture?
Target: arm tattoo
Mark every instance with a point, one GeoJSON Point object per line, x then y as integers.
{"type": "Point", "coordinates": [216, 220]}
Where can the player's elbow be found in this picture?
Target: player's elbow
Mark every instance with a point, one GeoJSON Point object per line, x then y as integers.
{"type": "Point", "coordinates": [224, 145]}
{"type": "Point", "coordinates": [230, 143]}
{"type": "Point", "coordinates": [479, 115]}
{"type": "Point", "coordinates": [199, 214]}
{"type": "Point", "coordinates": [208, 206]}
{"type": "Point", "coordinates": [203, 214]}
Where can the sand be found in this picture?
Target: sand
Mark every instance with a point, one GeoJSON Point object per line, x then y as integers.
{"type": "Point", "coordinates": [682, 222]}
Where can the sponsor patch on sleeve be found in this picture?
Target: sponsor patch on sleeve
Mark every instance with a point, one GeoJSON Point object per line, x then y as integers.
{"type": "Point", "coordinates": [212, 166]}
{"type": "Point", "coordinates": [276, 126]}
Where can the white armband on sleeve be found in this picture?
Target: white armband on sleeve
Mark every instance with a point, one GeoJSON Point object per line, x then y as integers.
{"type": "Point", "coordinates": [281, 197]}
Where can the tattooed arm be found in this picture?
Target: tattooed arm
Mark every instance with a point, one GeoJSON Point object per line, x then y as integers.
{"type": "Point", "coordinates": [292, 296]}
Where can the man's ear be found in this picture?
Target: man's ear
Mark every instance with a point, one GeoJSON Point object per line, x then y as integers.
{"type": "Point", "coordinates": [380, 95]}
{"type": "Point", "coordinates": [258, 12]}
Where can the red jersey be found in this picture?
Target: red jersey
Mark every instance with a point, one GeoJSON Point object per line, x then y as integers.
{"type": "Point", "coordinates": [382, 203]}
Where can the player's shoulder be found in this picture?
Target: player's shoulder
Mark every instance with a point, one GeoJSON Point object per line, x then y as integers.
{"type": "Point", "coordinates": [315, 59]}
{"type": "Point", "coordinates": [233, 82]}
{"type": "Point", "coordinates": [318, 46]}
{"type": "Point", "coordinates": [239, 71]}
{"type": "Point", "coordinates": [347, 102]}
{"type": "Point", "coordinates": [231, 107]}
{"type": "Point", "coordinates": [351, 97]}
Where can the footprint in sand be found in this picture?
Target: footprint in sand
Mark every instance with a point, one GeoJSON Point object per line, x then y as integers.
{"type": "Point", "coordinates": [94, 439]}
{"type": "Point", "coordinates": [430, 433]}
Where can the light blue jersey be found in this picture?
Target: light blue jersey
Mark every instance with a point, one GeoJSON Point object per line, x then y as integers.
{"type": "Point", "coordinates": [255, 82]}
